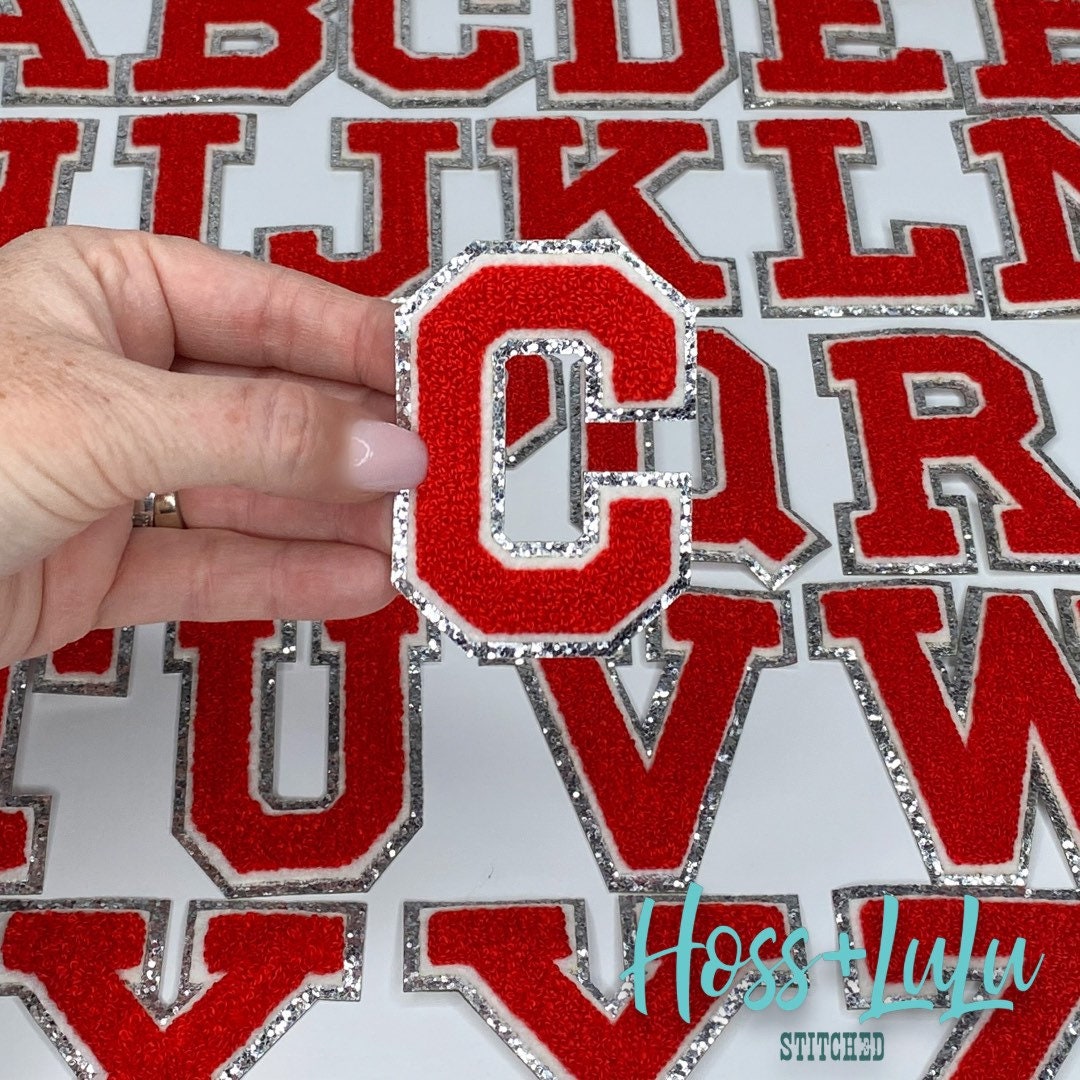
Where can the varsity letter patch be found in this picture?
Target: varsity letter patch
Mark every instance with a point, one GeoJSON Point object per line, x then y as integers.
{"type": "Point", "coordinates": [592, 301]}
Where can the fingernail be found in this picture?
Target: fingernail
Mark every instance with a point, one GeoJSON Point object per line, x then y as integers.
{"type": "Point", "coordinates": [384, 457]}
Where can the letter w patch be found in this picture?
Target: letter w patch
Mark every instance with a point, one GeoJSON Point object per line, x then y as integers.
{"type": "Point", "coordinates": [973, 719]}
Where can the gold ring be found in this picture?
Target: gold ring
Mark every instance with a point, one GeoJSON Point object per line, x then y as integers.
{"type": "Point", "coordinates": [167, 511]}
{"type": "Point", "coordinates": [159, 510]}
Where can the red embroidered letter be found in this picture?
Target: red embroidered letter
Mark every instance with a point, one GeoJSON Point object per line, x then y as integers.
{"type": "Point", "coordinates": [97, 665]}
{"type": "Point", "coordinates": [48, 57]}
{"type": "Point", "coordinates": [901, 443]}
{"type": "Point", "coordinates": [183, 155]}
{"type": "Point", "coordinates": [524, 968]}
{"type": "Point", "coordinates": [626, 164]}
{"type": "Point", "coordinates": [400, 160]}
{"type": "Point", "coordinates": [1024, 68]}
{"type": "Point", "coordinates": [24, 821]}
{"type": "Point", "coordinates": [382, 62]}
{"type": "Point", "coordinates": [965, 747]}
{"type": "Point", "coordinates": [743, 517]}
{"type": "Point", "coordinates": [747, 517]}
{"type": "Point", "coordinates": [231, 50]}
{"type": "Point", "coordinates": [262, 968]}
{"type": "Point", "coordinates": [593, 72]}
{"type": "Point", "coordinates": [599, 446]}
{"type": "Point", "coordinates": [535, 405]}
{"type": "Point", "coordinates": [1020, 1042]}
{"type": "Point", "coordinates": [247, 838]}
{"type": "Point", "coordinates": [1034, 164]}
{"type": "Point", "coordinates": [805, 65]}
{"type": "Point", "coordinates": [495, 596]}
{"type": "Point", "coordinates": [38, 161]}
{"type": "Point", "coordinates": [823, 269]}
{"type": "Point", "coordinates": [646, 789]}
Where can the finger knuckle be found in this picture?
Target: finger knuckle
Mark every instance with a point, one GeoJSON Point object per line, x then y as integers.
{"type": "Point", "coordinates": [289, 425]}
{"type": "Point", "coordinates": [205, 584]}
{"type": "Point", "coordinates": [280, 580]}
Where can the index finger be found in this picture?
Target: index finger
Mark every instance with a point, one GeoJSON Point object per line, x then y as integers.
{"type": "Point", "coordinates": [228, 308]}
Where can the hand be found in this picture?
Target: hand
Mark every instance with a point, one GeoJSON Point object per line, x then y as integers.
{"type": "Point", "coordinates": [131, 364]}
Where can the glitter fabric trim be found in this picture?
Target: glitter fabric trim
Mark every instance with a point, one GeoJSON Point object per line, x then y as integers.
{"type": "Point", "coordinates": [528, 1046]}
{"type": "Point", "coordinates": [144, 984]}
{"type": "Point", "coordinates": [595, 409]}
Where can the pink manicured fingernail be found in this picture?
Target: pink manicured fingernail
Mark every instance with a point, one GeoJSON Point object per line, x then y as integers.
{"type": "Point", "coordinates": [383, 457]}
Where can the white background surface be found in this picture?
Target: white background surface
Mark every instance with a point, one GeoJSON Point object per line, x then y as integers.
{"type": "Point", "coordinates": [808, 806]}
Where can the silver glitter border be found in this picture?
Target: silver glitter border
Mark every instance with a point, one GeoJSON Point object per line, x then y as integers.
{"type": "Point", "coordinates": [774, 308]}
{"type": "Point", "coordinates": [370, 222]}
{"type": "Point", "coordinates": [423, 647]}
{"type": "Point", "coordinates": [587, 363]}
{"type": "Point", "coordinates": [836, 35]}
{"type": "Point", "coordinates": [1000, 194]}
{"type": "Point", "coordinates": [222, 34]}
{"type": "Point", "coordinates": [854, 992]}
{"type": "Point", "coordinates": [88, 132]}
{"type": "Point", "coordinates": [494, 7]}
{"type": "Point", "coordinates": [548, 98]}
{"type": "Point", "coordinates": [13, 91]}
{"type": "Point", "coordinates": [401, 574]}
{"type": "Point", "coordinates": [114, 683]}
{"type": "Point", "coordinates": [977, 106]}
{"type": "Point", "coordinates": [645, 438]}
{"type": "Point", "coordinates": [647, 462]}
{"type": "Point", "coordinates": [772, 575]}
{"type": "Point", "coordinates": [554, 426]}
{"type": "Point", "coordinates": [147, 990]}
{"type": "Point", "coordinates": [433, 99]}
{"type": "Point", "coordinates": [149, 161]}
{"type": "Point", "coordinates": [325, 10]}
{"type": "Point", "coordinates": [518, 1041]}
{"type": "Point", "coordinates": [1065, 601]}
{"type": "Point", "coordinates": [968, 562]}
{"type": "Point", "coordinates": [69, 164]}
{"type": "Point", "coordinates": [920, 390]}
{"type": "Point", "coordinates": [962, 648]}
{"type": "Point", "coordinates": [12, 711]}
{"type": "Point", "coordinates": [575, 162]}
{"type": "Point", "coordinates": [647, 730]}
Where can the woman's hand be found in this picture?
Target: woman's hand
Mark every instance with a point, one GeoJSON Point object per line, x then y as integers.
{"type": "Point", "coordinates": [131, 364]}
